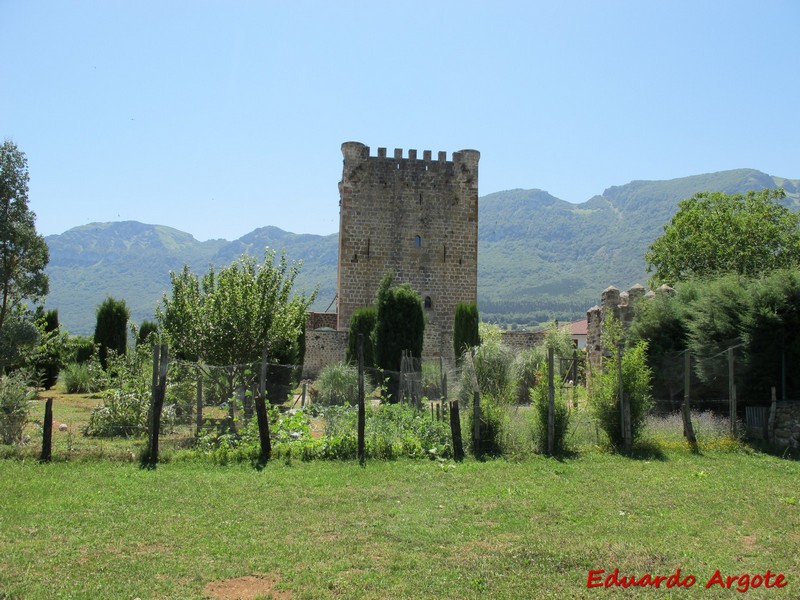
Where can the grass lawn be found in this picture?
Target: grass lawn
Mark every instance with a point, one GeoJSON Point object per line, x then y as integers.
{"type": "Point", "coordinates": [399, 529]}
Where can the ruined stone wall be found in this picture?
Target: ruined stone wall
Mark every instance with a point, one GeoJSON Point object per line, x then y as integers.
{"type": "Point", "coordinates": [417, 218]}
{"type": "Point", "coordinates": [323, 347]}
{"type": "Point", "coordinates": [619, 305]}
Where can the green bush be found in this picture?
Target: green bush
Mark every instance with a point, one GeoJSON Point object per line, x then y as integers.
{"type": "Point", "coordinates": [146, 329]}
{"type": "Point", "coordinates": [400, 327]}
{"type": "Point", "coordinates": [494, 418]}
{"type": "Point", "coordinates": [362, 321]}
{"type": "Point", "coordinates": [529, 370]}
{"type": "Point", "coordinates": [85, 378]}
{"type": "Point", "coordinates": [493, 368]}
{"type": "Point", "coordinates": [14, 406]}
{"type": "Point", "coordinates": [541, 406]}
{"type": "Point", "coordinates": [111, 330]}
{"type": "Point", "coordinates": [604, 396]}
{"type": "Point", "coordinates": [125, 414]}
{"type": "Point", "coordinates": [337, 384]}
{"type": "Point", "coordinates": [465, 328]}
{"type": "Point", "coordinates": [80, 349]}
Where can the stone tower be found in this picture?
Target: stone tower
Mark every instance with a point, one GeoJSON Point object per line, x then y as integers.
{"type": "Point", "coordinates": [418, 218]}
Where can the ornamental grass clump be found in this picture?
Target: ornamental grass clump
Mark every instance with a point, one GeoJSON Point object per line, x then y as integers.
{"type": "Point", "coordinates": [337, 385]}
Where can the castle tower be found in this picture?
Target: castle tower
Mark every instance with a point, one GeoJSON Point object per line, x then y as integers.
{"type": "Point", "coordinates": [417, 218]}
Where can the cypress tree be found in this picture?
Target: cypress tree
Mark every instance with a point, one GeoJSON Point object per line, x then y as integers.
{"type": "Point", "coordinates": [465, 328]}
{"type": "Point", "coordinates": [362, 321]}
{"type": "Point", "coordinates": [111, 331]}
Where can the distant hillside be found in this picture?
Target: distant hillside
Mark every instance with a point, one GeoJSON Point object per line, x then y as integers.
{"type": "Point", "coordinates": [539, 257]}
{"type": "Point", "coordinates": [132, 260]}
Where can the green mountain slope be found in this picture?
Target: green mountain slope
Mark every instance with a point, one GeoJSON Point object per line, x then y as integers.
{"type": "Point", "coordinates": [539, 257]}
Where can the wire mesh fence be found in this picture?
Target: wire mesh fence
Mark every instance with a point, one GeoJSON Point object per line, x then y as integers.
{"type": "Point", "coordinates": [199, 397]}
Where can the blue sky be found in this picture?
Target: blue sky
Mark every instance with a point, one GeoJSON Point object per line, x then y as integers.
{"type": "Point", "coordinates": [219, 117]}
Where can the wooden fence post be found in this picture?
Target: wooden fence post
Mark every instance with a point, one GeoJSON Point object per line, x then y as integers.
{"type": "Point", "coordinates": [477, 450]}
{"type": "Point", "coordinates": [362, 454]}
{"type": "Point", "coordinates": [160, 365]}
{"type": "Point", "coordinates": [47, 432]}
{"type": "Point", "coordinates": [261, 413]}
{"type": "Point", "coordinates": [624, 405]}
{"type": "Point", "coordinates": [551, 401]}
{"type": "Point", "coordinates": [455, 430]}
{"type": "Point", "coordinates": [731, 394]}
{"type": "Point", "coordinates": [773, 408]}
{"type": "Point", "coordinates": [199, 416]}
{"type": "Point", "coordinates": [688, 430]}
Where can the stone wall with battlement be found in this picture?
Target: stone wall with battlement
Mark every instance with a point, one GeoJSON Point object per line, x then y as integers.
{"type": "Point", "coordinates": [418, 218]}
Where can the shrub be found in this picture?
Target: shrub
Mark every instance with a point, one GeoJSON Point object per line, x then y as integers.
{"type": "Point", "coordinates": [111, 330]}
{"type": "Point", "coordinates": [528, 369]}
{"type": "Point", "coordinates": [492, 366]}
{"type": "Point", "coordinates": [124, 414]}
{"type": "Point", "coordinates": [80, 349]}
{"type": "Point", "coordinates": [432, 380]}
{"type": "Point", "coordinates": [146, 329]}
{"type": "Point", "coordinates": [14, 408]}
{"type": "Point", "coordinates": [541, 401]}
{"type": "Point", "coordinates": [604, 398]}
{"type": "Point", "coordinates": [85, 378]}
{"type": "Point", "coordinates": [465, 328]}
{"type": "Point", "coordinates": [362, 321]}
{"type": "Point", "coordinates": [494, 418]}
{"type": "Point", "coordinates": [400, 327]}
{"type": "Point", "coordinates": [337, 384]}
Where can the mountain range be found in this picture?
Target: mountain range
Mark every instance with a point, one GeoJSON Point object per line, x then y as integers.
{"type": "Point", "coordinates": [539, 257]}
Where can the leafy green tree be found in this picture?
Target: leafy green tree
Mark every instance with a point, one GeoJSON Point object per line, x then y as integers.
{"type": "Point", "coordinates": [23, 255]}
{"type": "Point", "coordinates": [714, 233]}
{"type": "Point", "coordinates": [465, 328]}
{"type": "Point", "coordinates": [400, 327]}
{"type": "Point", "coordinates": [231, 316]}
{"type": "Point", "coordinates": [362, 321]}
{"type": "Point", "coordinates": [111, 330]}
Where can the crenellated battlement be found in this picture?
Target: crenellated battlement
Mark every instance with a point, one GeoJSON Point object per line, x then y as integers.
{"type": "Point", "coordinates": [355, 152]}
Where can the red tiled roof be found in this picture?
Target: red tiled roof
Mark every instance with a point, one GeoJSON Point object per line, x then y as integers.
{"type": "Point", "coordinates": [579, 327]}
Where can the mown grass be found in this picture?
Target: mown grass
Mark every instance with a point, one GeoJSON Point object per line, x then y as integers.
{"type": "Point", "coordinates": [531, 528]}
{"type": "Point", "coordinates": [397, 529]}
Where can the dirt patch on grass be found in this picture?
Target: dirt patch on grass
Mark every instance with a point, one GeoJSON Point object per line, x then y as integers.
{"type": "Point", "coordinates": [246, 588]}
{"type": "Point", "coordinates": [749, 541]}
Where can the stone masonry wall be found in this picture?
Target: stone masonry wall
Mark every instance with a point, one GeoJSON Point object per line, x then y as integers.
{"type": "Point", "coordinates": [323, 347]}
{"type": "Point", "coordinates": [417, 218]}
{"type": "Point", "coordinates": [519, 341]}
{"type": "Point", "coordinates": [787, 425]}
{"type": "Point", "coordinates": [316, 320]}
{"type": "Point", "coordinates": [619, 305]}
